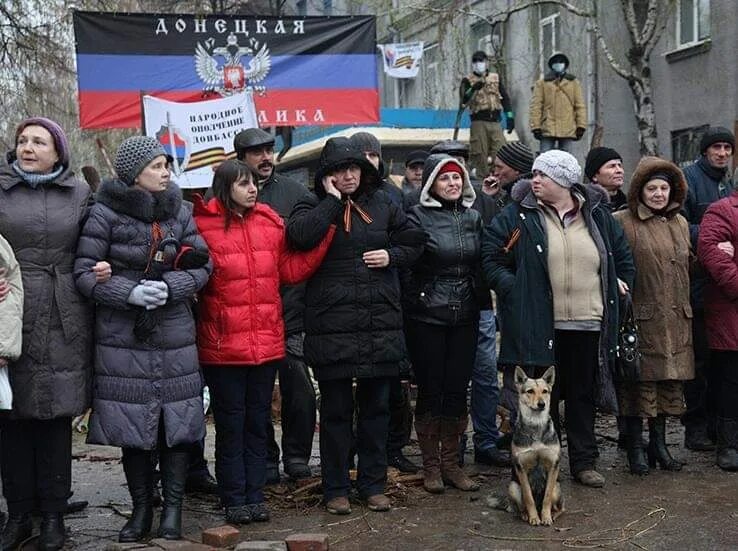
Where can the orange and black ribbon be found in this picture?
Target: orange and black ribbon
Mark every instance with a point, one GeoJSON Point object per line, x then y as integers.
{"type": "Point", "coordinates": [347, 214]}
{"type": "Point", "coordinates": [514, 236]}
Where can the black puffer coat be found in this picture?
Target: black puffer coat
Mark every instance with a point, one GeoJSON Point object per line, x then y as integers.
{"type": "Point", "coordinates": [52, 377]}
{"type": "Point", "coordinates": [137, 382]}
{"type": "Point", "coordinates": [353, 320]}
{"type": "Point", "coordinates": [445, 285]}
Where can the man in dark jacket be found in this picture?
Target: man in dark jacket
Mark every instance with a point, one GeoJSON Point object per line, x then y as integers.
{"type": "Point", "coordinates": [255, 148]}
{"type": "Point", "coordinates": [401, 412]}
{"type": "Point", "coordinates": [513, 161]}
{"type": "Point", "coordinates": [708, 179]}
{"type": "Point", "coordinates": [353, 321]}
{"type": "Point", "coordinates": [604, 166]}
{"type": "Point", "coordinates": [413, 179]}
{"type": "Point", "coordinates": [558, 294]}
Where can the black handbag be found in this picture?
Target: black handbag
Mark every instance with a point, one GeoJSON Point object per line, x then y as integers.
{"type": "Point", "coordinates": [628, 363]}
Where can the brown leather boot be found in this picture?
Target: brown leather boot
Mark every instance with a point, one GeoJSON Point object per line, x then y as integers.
{"type": "Point", "coordinates": [428, 430]}
{"type": "Point", "coordinates": [451, 431]}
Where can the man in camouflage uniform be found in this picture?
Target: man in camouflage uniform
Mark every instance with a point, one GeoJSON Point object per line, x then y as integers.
{"type": "Point", "coordinates": [485, 96]}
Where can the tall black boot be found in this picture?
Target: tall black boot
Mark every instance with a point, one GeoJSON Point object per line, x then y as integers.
{"type": "Point", "coordinates": [634, 445]}
{"type": "Point", "coordinates": [52, 533]}
{"type": "Point", "coordinates": [657, 450]}
{"type": "Point", "coordinates": [727, 444]}
{"type": "Point", "coordinates": [173, 464]}
{"type": "Point", "coordinates": [17, 529]}
{"type": "Point", "coordinates": [140, 480]}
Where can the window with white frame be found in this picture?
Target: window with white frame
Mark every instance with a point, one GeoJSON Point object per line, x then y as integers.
{"type": "Point", "coordinates": [481, 38]}
{"type": "Point", "coordinates": [693, 21]}
{"type": "Point", "coordinates": [548, 36]}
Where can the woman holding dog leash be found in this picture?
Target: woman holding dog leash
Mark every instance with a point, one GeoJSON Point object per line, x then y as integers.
{"type": "Point", "coordinates": [147, 391]}
{"type": "Point", "coordinates": [659, 239]}
{"type": "Point", "coordinates": [558, 262]}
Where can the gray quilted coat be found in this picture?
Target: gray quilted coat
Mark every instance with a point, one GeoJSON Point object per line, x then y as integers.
{"type": "Point", "coordinates": [51, 379]}
{"type": "Point", "coordinates": [138, 382]}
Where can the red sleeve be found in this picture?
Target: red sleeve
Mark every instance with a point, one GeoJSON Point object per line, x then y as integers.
{"type": "Point", "coordinates": [298, 266]}
{"type": "Point", "coordinates": [717, 226]}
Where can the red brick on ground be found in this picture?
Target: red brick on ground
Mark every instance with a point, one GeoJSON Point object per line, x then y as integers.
{"type": "Point", "coordinates": [221, 536]}
{"type": "Point", "coordinates": [307, 542]}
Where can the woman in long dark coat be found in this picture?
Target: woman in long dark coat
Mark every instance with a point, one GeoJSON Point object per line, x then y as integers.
{"type": "Point", "coordinates": [42, 207]}
{"type": "Point", "coordinates": [147, 387]}
{"type": "Point", "coordinates": [353, 322]}
{"type": "Point", "coordinates": [659, 239]}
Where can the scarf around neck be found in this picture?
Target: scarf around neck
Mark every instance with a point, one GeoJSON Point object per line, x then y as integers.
{"type": "Point", "coordinates": [713, 173]}
{"type": "Point", "coordinates": [33, 179]}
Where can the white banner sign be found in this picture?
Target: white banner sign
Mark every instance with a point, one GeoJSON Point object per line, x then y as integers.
{"type": "Point", "coordinates": [199, 136]}
{"type": "Point", "coordinates": [402, 60]}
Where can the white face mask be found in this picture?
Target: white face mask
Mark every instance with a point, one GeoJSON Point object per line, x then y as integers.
{"type": "Point", "coordinates": [479, 67]}
{"type": "Point", "coordinates": [558, 67]}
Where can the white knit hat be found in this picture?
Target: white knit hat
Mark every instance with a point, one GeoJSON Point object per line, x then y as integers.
{"type": "Point", "coordinates": [560, 166]}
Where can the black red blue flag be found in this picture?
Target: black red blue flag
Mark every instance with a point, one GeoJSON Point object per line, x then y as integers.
{"type": "Point", "coordinates": [302, 70]}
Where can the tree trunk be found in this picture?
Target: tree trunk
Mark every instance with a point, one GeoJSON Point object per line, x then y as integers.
{"type": "Point", "coordinates": [645, 112]}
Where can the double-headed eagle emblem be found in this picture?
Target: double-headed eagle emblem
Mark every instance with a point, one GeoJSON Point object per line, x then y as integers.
{"type": "Point", "coordinates": [232, 76]}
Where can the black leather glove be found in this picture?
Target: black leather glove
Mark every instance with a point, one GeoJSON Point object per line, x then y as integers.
{"type": "Point", "coordinates": [580, 132]}
{"type": "Point", "coordinates": [478, 85]}
{"type": "Point", "coordinates": [510, 124]}
{"type": "Point", "coordinates": [190, 258]}
{"type": "Point", "coordinates": [537, 134]}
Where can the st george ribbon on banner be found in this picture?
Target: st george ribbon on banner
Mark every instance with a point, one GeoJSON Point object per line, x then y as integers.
{"type": "Point", "coordinates": [301, 70]}
{"type": "Point", "coordinates": [402, 60]}
{"type": "Point", "coordinates": [198, 136]}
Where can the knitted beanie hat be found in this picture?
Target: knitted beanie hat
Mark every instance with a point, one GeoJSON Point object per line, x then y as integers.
{"type": "Point", "coordinates": [134, 154]}
{"type": "Point", "coordinates": [560, 166]}
{"type": "Point", "coordinates": [517, 156]}
{"type": "Point", "coordinates": [716, 134]}
{"type": "Point", "coordinates": [366, 142]}
{"type": "Point", "coordinates": [60, 138]}
{"type": "Point", "coordinates": [597, 157]}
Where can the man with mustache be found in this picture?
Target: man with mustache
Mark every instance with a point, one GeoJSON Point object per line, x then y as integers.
{"type": "Point", "coordinates": [255, 148]}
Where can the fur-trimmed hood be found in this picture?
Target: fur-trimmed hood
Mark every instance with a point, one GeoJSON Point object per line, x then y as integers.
{"type": "Point", "coordinates": [433, 165]}
{"type": "Point", "coordinates": [141, 204]}
{"type": "Point", "coordinates": [594, 194]}
{"type": "Point", "coordinates": [642, 174]}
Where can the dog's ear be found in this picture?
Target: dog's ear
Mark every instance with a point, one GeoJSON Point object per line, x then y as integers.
{"type": "Point", "coordinates": [520, 377]}
{"type": "Point", "coordinates": [550, 376]}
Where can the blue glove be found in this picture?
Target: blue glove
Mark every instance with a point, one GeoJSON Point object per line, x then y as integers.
{"type": "Point", "coordinates": [159, 292]}
{"type": "Point", "coordinates": [142, 295]}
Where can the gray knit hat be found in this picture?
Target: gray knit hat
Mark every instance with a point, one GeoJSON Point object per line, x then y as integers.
{"type": "Point", "coordinates": [560, 166]}
{"type": "Point", "coordinates": [134, 154]}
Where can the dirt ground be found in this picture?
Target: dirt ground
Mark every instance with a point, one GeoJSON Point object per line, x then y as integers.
{"type": "Point", "coordinates": [696, 508]}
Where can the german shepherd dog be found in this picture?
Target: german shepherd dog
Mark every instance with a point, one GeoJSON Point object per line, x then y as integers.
{"type": "Point", "coordinates": [534, 492]}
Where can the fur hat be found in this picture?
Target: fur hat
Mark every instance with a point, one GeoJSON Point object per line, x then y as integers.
{"type": "Point", "coordinates": [61, 144]}
{"type": "Point", "coordinates": [597, 157]}
{"type": "Point", "coordinates": [134, 154]}
{"type": "Point", "coordinates": [517, 156]}
{"type": "Point", "coordinates": [716, 134]}
{"type": "Point", "coordinates": [560, 166]}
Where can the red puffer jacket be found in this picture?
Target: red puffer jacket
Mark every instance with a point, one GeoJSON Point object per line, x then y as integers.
{"type": "Point", "coordinates": [720, 223]}
{"type": "Point", "coordinates": [240, 320]}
